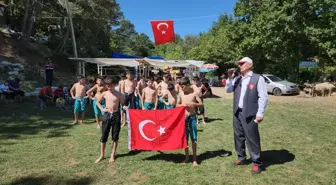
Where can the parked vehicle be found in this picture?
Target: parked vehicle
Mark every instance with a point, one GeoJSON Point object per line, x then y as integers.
{"type": "Point", "coordinates": [278, 87]}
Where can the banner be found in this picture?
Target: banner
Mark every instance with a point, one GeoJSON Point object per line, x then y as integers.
{"type": "Point", "coordinates": [163, 31]}
{"type": "Point", "coordinates": [157, 129]}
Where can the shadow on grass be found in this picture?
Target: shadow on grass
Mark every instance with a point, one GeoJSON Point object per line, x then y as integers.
{"type": "Point", "coordinates": [212, 154]}
{"type": "Point", "coordinates": [31, 180]}
{"type": "Point", "coordinates": [175, 158]}
{"type": "Point", "coordinates": [276, 157]}
{"type": "Point", "coordinates": [209, 120]}
{"type": "Point", "coordinates": [31, 127]}
{"type": "Point", "coordinates": [29, 120]}
{"type": "Point", "coordinates": [178, 158]}
{"type": "Point", "coordinates": [213, 96]}
{"type": "Point", "coordinates": [130, 153]}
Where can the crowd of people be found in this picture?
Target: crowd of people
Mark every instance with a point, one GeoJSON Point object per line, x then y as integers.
{"type": "Point", "coordinates": [111, 99]}
{"type": "Point", "coordinates": [11, 90]}
{"type": "Point", "coordinates": [153, 93]}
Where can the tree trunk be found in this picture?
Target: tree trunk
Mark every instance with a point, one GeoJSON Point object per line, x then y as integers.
{"type": "Point", "coordinates": [30, 26]}
{"type": "Point", "coordinates": [25, 17]}
{"type": "Point", "coordinates": [60, 49]}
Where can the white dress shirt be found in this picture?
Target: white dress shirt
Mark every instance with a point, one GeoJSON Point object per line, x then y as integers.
{"type": "Point", "coordinates": [262, 92]}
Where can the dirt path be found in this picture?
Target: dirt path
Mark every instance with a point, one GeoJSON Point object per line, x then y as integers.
{"type": "Point", "coordinates": [321, 101]}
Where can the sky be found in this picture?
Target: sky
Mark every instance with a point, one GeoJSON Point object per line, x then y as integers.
{"type": "Point", "coordinates": [185, 13]}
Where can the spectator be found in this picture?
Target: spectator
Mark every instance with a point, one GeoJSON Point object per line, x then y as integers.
{"type": "Point", "coordinates": [208, 91]}
{"type": "Point", "coordinates": [89, 85]}
{"type": "Point", "coordinates": [4, 89]}
{"type": "Point", "coordinates": [14, 88]}
{"type": "Point", "coordinates": [45, 95]}
{"type": "Point", "coordinates": [59, 92]}
{"type": "Point", "coordinates": [49, 72]}
{"type": "Point", "coordinates": [223, 81]}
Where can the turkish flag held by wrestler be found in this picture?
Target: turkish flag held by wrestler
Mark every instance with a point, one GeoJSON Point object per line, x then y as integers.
{"type": "Point", "coordinates": [157, 129]}
{"type": "Point", "coordinates": [163, 31]}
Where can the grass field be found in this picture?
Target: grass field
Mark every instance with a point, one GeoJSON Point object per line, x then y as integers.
{"type": "Point", "coordinates": [298, 141]}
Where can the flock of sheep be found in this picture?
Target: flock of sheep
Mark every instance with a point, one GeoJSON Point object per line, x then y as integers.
{"type": "Point", "coordinates": [321, 89]}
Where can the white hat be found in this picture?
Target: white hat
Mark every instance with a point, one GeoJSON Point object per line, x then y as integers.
{"type": "Point", "coordinates": [245, 59]}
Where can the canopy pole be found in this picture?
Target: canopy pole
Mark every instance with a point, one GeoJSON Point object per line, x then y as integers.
{"type": "Point", "coordinates": [147, 71]}
{"type": "Point", "coordinates": [81, 68]}
{"type": "Point", "coordinates": [100, 70]}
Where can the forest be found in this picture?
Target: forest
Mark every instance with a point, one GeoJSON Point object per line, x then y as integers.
{"type": "Point", "coordinates": [276, 34]}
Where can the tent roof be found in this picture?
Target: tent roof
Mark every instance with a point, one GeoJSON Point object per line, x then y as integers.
{"type": "Point", "coordinates": [162, 63]}
{"type": "Point", "coordinates": [110, 61]}
{"type": "Point", "coordinates": [196, 63]}
{"type": "Point", "coordinates": [125, 56]}
{"type": "Point", "coordinates": [133, 62]}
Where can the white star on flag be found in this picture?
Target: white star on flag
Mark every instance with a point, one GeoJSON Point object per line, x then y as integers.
{"type": "Point", "coordinates": [162, 130]}
{"type": "Point", "coordinates": [163, 32]}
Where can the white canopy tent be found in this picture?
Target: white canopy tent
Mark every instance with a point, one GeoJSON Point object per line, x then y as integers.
{"type": "Point", "coordinates": [110, 61]}
{"type": "Point", "coordinates": [192, 66]}
{"type": "Point", "coordinates": [104, 62]}
{"type": "Point", "coordinates": [170, 63]}
{"type": "Point", "coordinates": [197, 63]}
{"type": "Point", "coordinates": [140, 65]}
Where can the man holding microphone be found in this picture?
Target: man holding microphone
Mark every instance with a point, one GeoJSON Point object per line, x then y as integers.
{"type": "Point", "coordinates": [249, 104]}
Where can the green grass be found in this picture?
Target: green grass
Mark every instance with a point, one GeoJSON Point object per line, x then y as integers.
{"type": "Point", "coordinates": [41, 147]}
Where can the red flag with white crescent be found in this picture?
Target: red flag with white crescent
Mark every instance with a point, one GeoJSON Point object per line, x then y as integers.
{"type": "Point", "coordinates": [157, 129]}
{"type": "Point", "coordinates": [163, 31]}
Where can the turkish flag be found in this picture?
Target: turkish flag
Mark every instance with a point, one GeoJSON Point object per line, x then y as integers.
{"type": "Point", "coordinates": [157, 129]}
{"type": "Point", "coordinates": [163, 31]}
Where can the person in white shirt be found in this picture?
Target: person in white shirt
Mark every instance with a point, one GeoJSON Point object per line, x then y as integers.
{"type": "Point", "coordinates": [249, 104]}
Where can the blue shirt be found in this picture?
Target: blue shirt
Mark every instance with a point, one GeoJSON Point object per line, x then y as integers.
{"type": "Point", "coordinates": [13, 84]}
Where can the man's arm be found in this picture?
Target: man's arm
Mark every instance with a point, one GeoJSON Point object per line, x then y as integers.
{"type": "Point", "coordinates": [158, 85]}
{"type": "Point", "coordinates": [198, 92]}
{"type": "Point", "coordinates": [177, 88]}
{"type": "Point", "coordinates": [72, 90]}
{"type": "Point", "coordinates": [263, 97]}
{"type": "Point", "coordinates": [122, 99]}
{"type": "Point", "coordinates": [179, 102]}
{"type": "Point", "coordinates": [164, 94]}
{"type": "Point", "coordinates": [205, 90]}
{"type": "Point", "coordinates": [156, 99]}
{"type": "Point", "coordinates": [199, 102]}
{"type": "Point", "coordinates": [119, 86]}
{"type": "Point", "coordinates": [229, 85]}
{"type": "Point", "coordinates": [100, 98]}
{"type": "Point", "coordinates": [138, 86]}
{"type": "Point", "coordinates": [89, 92]}
{"type": "Point", "coordinates": [143, 98]}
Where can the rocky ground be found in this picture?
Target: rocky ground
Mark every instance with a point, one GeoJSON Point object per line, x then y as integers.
{"type": "Point", "coordinates": [26, 63]}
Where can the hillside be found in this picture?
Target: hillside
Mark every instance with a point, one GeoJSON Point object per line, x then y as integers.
{"type": "Point", "coordinates": [27, 62]}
